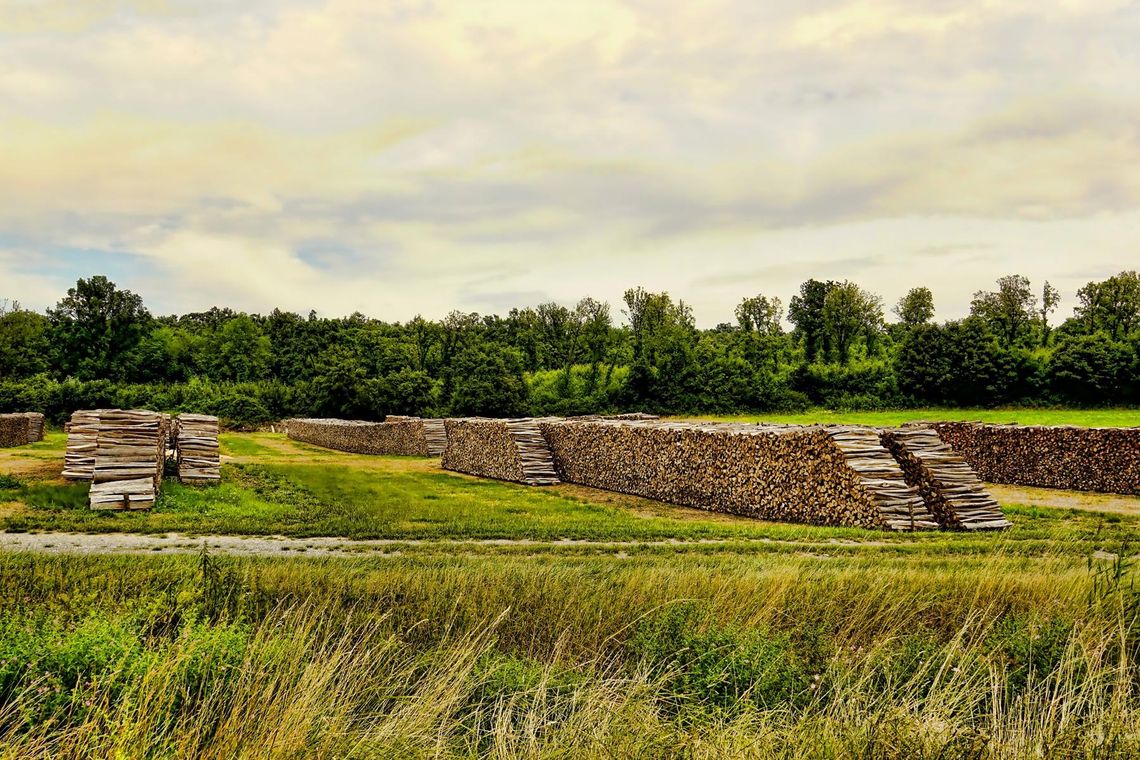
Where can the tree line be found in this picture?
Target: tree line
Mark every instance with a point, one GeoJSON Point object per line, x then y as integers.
{"type": "Point", "coordinates": [100, 346]}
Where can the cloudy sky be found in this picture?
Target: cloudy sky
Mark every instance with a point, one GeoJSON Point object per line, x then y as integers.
{"type": "Point", "coordinates": [413, 157]}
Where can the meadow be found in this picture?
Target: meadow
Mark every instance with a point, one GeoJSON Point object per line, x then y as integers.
{"type": "Point", "coordinates": [511, 622]}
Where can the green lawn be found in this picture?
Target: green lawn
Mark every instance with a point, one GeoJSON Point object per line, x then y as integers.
{"type": "Point", "coordinates": [1083, 417]}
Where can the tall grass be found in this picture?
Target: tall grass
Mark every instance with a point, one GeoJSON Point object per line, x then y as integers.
{"type": "Point", "coordinates": [504, 657]}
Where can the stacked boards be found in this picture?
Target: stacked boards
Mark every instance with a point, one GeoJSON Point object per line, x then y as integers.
{"type": "Point", "coordinates": [21, 429]}
{"type": "Point", "coordinates": [405, 436]}
{"type": "Point", "coordinates": [1074, 458]}
{"type": "Point", "coordinates": [806, 474]}
{"type": "Point", "coordinates": [513, 449]}
{"type": "Point", "coordinates": [130, 452]}
{"type": "Point", "coordinates": [951, 489]}
{"type": "Point", "coordinates": [196, 441]}
{"type": "Point", "coordinates": [123, 454]}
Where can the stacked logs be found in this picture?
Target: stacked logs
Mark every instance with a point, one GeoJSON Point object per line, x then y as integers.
{"type": "Point", "coordinates": [82, 436]}
{"type": "Point", "coordinates": [14, 430]}
{"type": "Point", "coordinates": [35, 426]}
{"type": "Point", "coordinates": [130, 453]}
{"type": "Point", "coordinates": [832, 476]}
{"type": "Point", "coordinates": [513, 449]}
{"type": "Point", "coordinates": [949, 486]}
{"type": "Point", "coordinates": [196, 440]}
{"type": "Point", "coordinates": [404, 437]}
{"type": "Point", "coordinates": [1074, 458]}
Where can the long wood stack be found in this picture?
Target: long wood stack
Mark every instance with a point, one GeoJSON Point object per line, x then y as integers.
{"type": "Point", "coordinates": [35, 426]}
{"type": "Point", "coordinates": [197, 445]}
{"type": "Point", "coordinates": [951, 489]}
{"type": "Point", "coordinates": [435, 432]}
{"type": "Point", "coordinates": [1074, 458]}
{"type": "Point", "coordinates": [513, 449]}
{"type": "Point", "coordinates": [82, 436]}
{"type": "Point", "coordinates": [405, 437]}
{"type": "Point", "coordinates": [828, 476]}
{"type": "Point", "coordinates": [129, 457]}
{"type": "Point", "coordinates": [13, 430]}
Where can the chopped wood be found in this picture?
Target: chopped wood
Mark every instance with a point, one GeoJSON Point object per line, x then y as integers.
{"type": "Point", "coordinates": [20, 429]}
{"type": "Point", "coordinates": [402, 436]}
{"type": "Point", "coordinates": [951, 489]}
{"type": "Point", "coordinates": [1105, 460]}
{"type": "Point", "coordinates": [504, 449]}
{"type": "Point", "coordinates": [129, 453]}
{"type": "Point", "coordinates": [807, 474]}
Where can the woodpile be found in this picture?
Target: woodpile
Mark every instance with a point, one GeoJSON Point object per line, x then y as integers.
{"type": "Point", "coordinates": [513, 449]}
{"type": "Point", "coordinates": [130, 452]}
{"type": "Point", "coordinates": [1074, 458]}
{"type": "Point", "coordinates": [951, 489]}
{"type": "Point", "coordinates": [196, 441]}
{"type": "Point", "coordinates": [15, 430]}
{"type": "Point", "coordinates": [82, 436]}
{"type": "Point", "coordinates": [35, 426]}
{"type": "Point", "coordinates": [404, 437]}
{"type": "Point", "coordinates": [812, 474]}
{"type": "Point", "coordinates": [435, 431]}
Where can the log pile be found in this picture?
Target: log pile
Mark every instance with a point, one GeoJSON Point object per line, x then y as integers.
{"type": "Point", "coordinates": [951, 489]}
{"type": "Point", "coordinates": [14, 430]}
{"type": "Point", "coordinates": [129, 455]}
{"type": "Point", "coordinates": [196, 437]}
{"type": "Point", "coordinates": [1074, 458]}
{"type": "Point", "coordinates": [35, 426]}
{"type": "Point", "coordinates": [513, 449]}
{"type": "Point", "coordinates": [82, 436]}
{"type": "Point", "coordinates": [823, 476]}
{"type": "Point", "coordinates": [404, 437]}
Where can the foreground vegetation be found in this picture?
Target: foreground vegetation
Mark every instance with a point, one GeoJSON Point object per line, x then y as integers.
{"type": "Point", "coordinates": [707, 656]}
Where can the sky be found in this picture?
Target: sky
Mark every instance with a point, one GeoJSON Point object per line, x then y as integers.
{"type": "Point", "coordinates": [402, 158]}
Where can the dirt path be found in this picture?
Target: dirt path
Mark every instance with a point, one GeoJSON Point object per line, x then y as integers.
{"type": "Point", "coordinates": [267, 546]}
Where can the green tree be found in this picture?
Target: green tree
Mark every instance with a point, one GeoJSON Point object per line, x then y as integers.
{"type": "Point", "coordinates": [1112, 305]}
{"type": "Point", "coordinates": [239, 351]}
{"type": "Point", "coordinates": [760, 320]}
{"type": "Point", "coordinates": [916, 307]}
{"type": "Point", "coordinates": [337, 388]}
{"type": "Point", "coordinates": [850, 313]}
{"type": "Point", "coordinates": [24, 341]}
{"type": "Point", "coordinates": [1009, 310]}
{"type": "Point", "coordinates": [489, 382]}
{"type": "Point", "coordinates": [1091, 369]}
{"type": "Point", "coordinates": [806, 312]}
{"type": "Point", "coordinates": [95, 327]}
{"type": "Point", "coordinates": [1050, 298]}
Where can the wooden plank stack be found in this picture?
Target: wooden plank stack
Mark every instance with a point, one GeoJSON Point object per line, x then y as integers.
{"type": "Point", "coordinates": [401, 436]}
{"type": "Point", "coordinates": [82, 436]}
{"type": "Point", "coordinates": [951, 489]}
{"type": "Point", "coordinates": [129, 457]}
{"type": "Point", "coordinates": [807, 474]}
{"type": "Point", "coordinates": [35, 426]}
{"type": "Point", "coordinates": [1106, 460]}
{"type": "Point", "coordinates": [14, 430]}
{"type": "Point", "coordinates": [196, 441]}
{"type": "Point", "coordinates": [511, 449]}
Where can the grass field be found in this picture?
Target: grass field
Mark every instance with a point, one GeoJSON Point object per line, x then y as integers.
{"type": "Point", "coordinates": [660, 632]}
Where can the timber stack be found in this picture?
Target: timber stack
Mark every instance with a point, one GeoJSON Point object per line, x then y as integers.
{"type": "Point", "coordinates": [35, 426]}
{"type": "Point", "coordinates": [511, 449]}
{"type": "Point", "coordinates": [1106, 460]}
{"type": "Point", "coordinates": [82, 437]}
{"type": "Point", "coordinates": [951, 489]}
{"type": "Point", "coordinates": [196, 437]}
{"type": "Point", "coordinates": [404, 437]}
{"type": "Point", "coordinates": [14, 430]}
{"type": "Point", "coordinates": [129, 457]}
{"type": "Point", "coordinates": [807, 474]}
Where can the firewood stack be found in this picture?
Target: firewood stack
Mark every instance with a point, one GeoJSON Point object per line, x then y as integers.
{"type": "Point", "coordinates": [14, 430]}
{"type": "Point", "coordinates": [129, 456]}
{"type": "Point", "coordinates": [435, 431]}
{"type": "Point", "coordinates": [950, 487]}
{"type": "Point", "coordinates": [82, 436]}
{"type": "Point", "coordinates": [405, 437]}
{"type": "Point", "coordinates": [197, 445]}
{"type": "Point", "coordinates": [828, 476]}
{"type": "Point", "coordinates": [35, 426]}
{"type": "Point", "coordinates": [514, 450]}
{"type": "Point", "coordinates": [1074, 458]}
